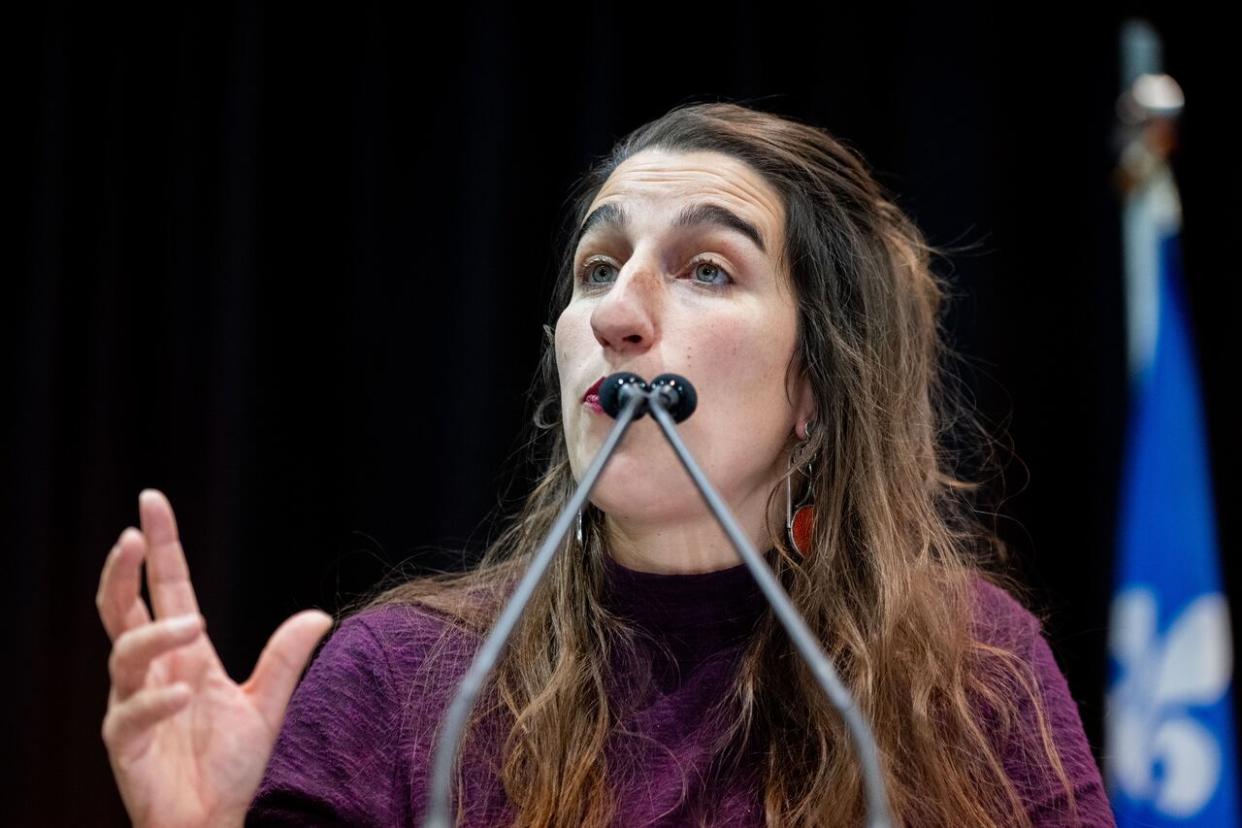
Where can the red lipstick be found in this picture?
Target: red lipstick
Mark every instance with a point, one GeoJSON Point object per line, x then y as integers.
{"type": "Point", "coordinates": [591, 397]}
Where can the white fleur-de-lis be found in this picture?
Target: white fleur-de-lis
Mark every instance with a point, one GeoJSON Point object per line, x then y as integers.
{"type": "Point", "coordinates": [1149, 707]}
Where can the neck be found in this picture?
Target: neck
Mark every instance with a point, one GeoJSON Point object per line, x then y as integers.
{"type": "Point", "coordinates": [688, 540]}
{"type": "Point", "coordinates": [686, 546]}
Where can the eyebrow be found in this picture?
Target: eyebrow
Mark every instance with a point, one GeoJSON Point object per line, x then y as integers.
{"type": "Point", "coordinates": [613, 215]}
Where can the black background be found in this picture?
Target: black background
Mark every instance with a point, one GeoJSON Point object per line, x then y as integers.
{"type": "Point", "coordinates": [290, 265]}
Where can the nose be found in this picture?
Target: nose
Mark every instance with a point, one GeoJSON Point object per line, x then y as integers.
{"type": "Point", "coordinates": [627, 317]}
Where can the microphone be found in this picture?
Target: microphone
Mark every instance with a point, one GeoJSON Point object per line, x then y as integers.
{"type": "Point", "coordinates": [676, 394]}
{"type": "Point", "coordinates": [672, 399]}
{"type": "Point", "coordinates": [627, 395]}
{"type": "Point", "coordinates": [619, 387]}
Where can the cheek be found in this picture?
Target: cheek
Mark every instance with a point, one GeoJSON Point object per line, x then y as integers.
{"type": "Point", "coordinates": [567, 343]}
{"type": "Point", "coordinates": [743, 366]}
{"type": "Point", "coordinates": [743, 356]}
{"type": "Point", "coordinates": [571, 343]}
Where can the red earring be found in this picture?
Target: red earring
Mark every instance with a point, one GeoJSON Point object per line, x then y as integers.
{"type": "Point", "coordinates": [802, 529]}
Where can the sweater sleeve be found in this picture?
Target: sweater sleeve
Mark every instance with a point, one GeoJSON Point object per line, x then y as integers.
{"type": "Point", "coordinates": [333, 762]}
{"type": "Point", "coordinates": [1047, 804]}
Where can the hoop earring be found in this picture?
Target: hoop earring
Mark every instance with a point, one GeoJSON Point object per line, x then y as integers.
{"type": "Point", "coordinates": [800, 522]}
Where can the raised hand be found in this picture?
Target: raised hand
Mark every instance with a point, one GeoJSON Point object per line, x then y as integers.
{"type": "Point", "coordinates": [188, 745]}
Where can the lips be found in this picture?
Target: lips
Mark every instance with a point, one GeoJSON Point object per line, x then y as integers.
{"type": "Point", "coordinates": [591, 397]}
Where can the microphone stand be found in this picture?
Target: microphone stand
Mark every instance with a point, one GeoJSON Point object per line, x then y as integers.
{"type": "Point", "coordinates": [638, 397]}
{"type": "Point", "coordinates": [467, 693]}
{"type": "Point", "coordinates": [821, 666]}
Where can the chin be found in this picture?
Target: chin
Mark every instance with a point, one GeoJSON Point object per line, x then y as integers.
{"type": "Point", "coordinates": [633, 490]}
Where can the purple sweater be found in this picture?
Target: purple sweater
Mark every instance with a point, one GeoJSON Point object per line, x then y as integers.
{"type": "Point", "coordinates": [354, 750]}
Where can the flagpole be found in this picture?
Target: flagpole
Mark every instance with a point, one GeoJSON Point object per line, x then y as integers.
{"type": "Point", "coordinates": [1146, 135]}
{"type": "Point", "coordinates": [1170, 752]}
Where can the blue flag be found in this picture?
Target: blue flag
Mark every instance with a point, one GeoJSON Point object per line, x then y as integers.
{"type": "Point", "coordinates": [1170, 757]}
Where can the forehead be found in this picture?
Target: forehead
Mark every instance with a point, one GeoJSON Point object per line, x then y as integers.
{"type": "Point", "coordinates": [665, 182]}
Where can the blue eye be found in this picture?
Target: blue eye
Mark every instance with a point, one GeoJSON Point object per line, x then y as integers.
{"type": "Point", "coordinates": [714, 270]}
{"type": "Point", "coordinates": [591, 270]}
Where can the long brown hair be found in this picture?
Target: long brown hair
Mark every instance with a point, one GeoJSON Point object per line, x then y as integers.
{"type": "Point", "coordinates": [897, 542]}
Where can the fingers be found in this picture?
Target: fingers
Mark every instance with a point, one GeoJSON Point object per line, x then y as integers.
{"type": "Point", "coordinates": [281, 662]}
{"type": "Point", "coordinates": [127, 722]}
{"type": "Point", "coordinates": [119, 599]}
{"type": "Point", "coordinates": [168, 576]}
{"type": "Point", "coordinates": [135, 649]}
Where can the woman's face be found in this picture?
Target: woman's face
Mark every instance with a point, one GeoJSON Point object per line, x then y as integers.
{"type": "Point", "coordinates": [678, 271]}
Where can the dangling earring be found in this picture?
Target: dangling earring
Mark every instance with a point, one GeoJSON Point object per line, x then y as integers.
{"type": "Point", "coordinates": [800, 522]}
{"type": "Point", "coordinates": [581, 546]}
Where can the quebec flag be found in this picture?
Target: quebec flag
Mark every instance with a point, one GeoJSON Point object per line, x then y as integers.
{"type": "Point", "coordinates": [1170, 755]}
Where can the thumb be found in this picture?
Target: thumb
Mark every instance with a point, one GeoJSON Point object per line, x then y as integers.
{"type": "Point", "coordinates": [281, 663]}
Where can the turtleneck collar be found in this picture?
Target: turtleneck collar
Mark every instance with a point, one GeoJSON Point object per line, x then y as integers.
{"type": "Point", "coordinates": [699, 611]}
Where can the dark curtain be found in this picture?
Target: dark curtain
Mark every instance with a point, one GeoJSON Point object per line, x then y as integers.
{"type": "Point", "coordinates": [290, 265]}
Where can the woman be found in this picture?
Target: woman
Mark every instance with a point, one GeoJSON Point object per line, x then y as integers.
{"type": "Point", "coordinates": [648, 683]}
